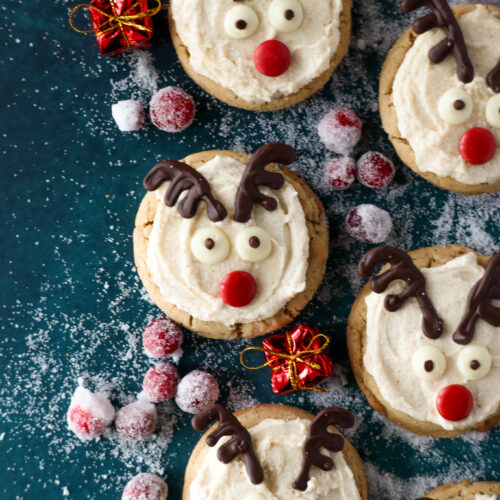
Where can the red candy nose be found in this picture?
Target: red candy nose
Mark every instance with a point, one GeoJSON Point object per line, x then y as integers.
{"type": "Point", "coordinates": [237, 289]}
{"type": "Point", "coordinates": [477, 146]}
{"type": "Point", "coordinates": [272, 58]}
{"type": "Point", "coordinates": [454, 402]}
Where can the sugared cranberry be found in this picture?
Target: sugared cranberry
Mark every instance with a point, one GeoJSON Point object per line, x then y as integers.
{"type": "Point", "coordinates": [160, 382]}
{"type": "Point", "coordinates": [171, 109]}
{"type": "Point", "coordinates": [89, 414]}
{"type": "Point", "coordinates": [161, 338]}
{"type": "Point", "coordinates": [145, 486]}
{"type": "Point", "coordinates": [375, 170]}
{"type": "Point", "coordinates": [129, 115]}
{"type": "Point", "coordinates": [136, 421]}
{"type": "Point", "coordinates": [340, 130]}
{"type": "Point", "coordinates": [340, 172]}
{"type": "Point", "coordinates": [369, 224]}
{"type": "Point", "coordinates": [196, 390]}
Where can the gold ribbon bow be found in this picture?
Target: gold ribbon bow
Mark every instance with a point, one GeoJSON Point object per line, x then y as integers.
{"type": "Point", "coordinates": [292, 359]}
{"type": "Point", "coordinates": [115, 20]}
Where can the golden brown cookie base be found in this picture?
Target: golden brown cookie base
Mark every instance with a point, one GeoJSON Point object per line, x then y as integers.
{"type": "Point", "coordinates": [390, 121]}
{"type": "Point", "coordinates": [250, 417]}
{"type": "Point", "coordinates": [318, 255]}
{"type": "Point", "coordinates": [229, 97]}
{"type": "Point", "coordinates": [464, 490]}
{"type": "Point", "coordinates": [356, 343]}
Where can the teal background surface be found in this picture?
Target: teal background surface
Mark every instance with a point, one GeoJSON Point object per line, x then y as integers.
{"type": "Point", "coordinates": [72, 305]}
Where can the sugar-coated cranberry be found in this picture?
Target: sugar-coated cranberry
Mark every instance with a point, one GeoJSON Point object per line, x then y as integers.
{"type": "Point", "coordinates": [272, 58]}
{"type": "Point", "coordinates": [375, 170]}
{"type": "Point", "coordinates": [129, 115]}
{"type": "Point", "coordinates": [171, 109]}
{"type": "Point", "coordinates": [340, 172]}
{"type": "Point", "coordinates": [136, 421]}
{"type": "Point", "coordinates": [196, 390]}
{"type": "Point", "coordinates": [454, 402]}
{"type": "Point", "coordinates": [89, 414]}
{"type": "Point", "coordinates": [369, 224]}
{"type": "Point", "coordinates": [238, 288]}
{"type": "Point", "coordinates": [145, 486]}
{"type": "Point", "coordinates": [161, 338]}
{"type": "Point", "coordinates": [160, 382]}
{"type": "Point", "coordinates": [477, 146]}
{"type": "Point", "coordinates": [340, 130]}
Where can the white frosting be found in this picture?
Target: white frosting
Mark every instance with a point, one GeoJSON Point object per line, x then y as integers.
{"type": "Point", "coordinates": [278, 446]}
{"type": "Point", "coordinates": [228, 61]}
{"type": "Point", "coordinates": [419, 85]}
{"type": "Point", "coordinates": [394, 337]}
{"type": "Point", "coordinates": [194, 286]}
{"type": "Point", "coordinates": [485, 497]}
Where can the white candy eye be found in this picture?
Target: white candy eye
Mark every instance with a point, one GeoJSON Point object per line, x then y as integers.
{"type": "Point", "coordinates": [253, 244]}
{"type": "Point", "coordinates": [286, 15]}
{"type": "Point", "coordinates": [241, 21]}
{"type": "Point", "coordinates": [493, 111]}
{"type": "Point", "coordinates": [455, 106]}
{"type": "Point", "coordinates": [210, 245]}
{"type": "Point", "coordinates": [429, 363]}
{"type": "Point", "coordinates": [474, 362]}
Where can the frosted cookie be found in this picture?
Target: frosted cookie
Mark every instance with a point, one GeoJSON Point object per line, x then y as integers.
{"type": "Point", "coordinates": [424, 338]}
{"type": "Point", "coordinates": [465, 491]}
{"type": "Point", "coordinates": [440, 96]}
{"type": "Point", "coordinates": [260, 55]}
{"type": "Point", "coordinates": [274, 452]}
{"type": "Point", "coordinates": [229, 244]}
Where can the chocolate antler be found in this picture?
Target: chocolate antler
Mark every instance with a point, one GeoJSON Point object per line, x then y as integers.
{"type": "Point", "coordinates": [255, 175]}
{"type": "Point", "coordinates": [402, 268]}
{"type": "Point", "coordinates": [184, 178]}
{"type": "Point", "coordinates": [319, 437]}
{"type": "Point", "coordinates": [442, 17]}
{"type": "Point", "coordinates": [493, 78]}
{"type": "Point", "coordinates": [479, 302]}
{"type": "Point", "coordinates": [239, 444]}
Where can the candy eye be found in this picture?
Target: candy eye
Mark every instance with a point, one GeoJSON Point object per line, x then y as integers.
{"type": "Point", "coordinates": [253, 244]}
{"type": "Point", "coordinates": [429, 363]}
{"type": "Point", "coordinates": [210, 245]}
{"type": "Point", "coordinates": [286, 15]}
{"type": "Point", "coordinates": [241, 21]}
{"type": "Point", "coordinates": [455, 106]}
{"type": "Point", "coordinates": [474, 362]}
{"type": "Point", "coordinates": [493, 111]}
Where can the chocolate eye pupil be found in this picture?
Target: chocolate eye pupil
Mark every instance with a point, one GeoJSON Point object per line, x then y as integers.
{"type": "Point", "coordinates": [429, 365]}
{"type": "Point", "coordinates": [475, 364]}
{"type": "Point", "coordinates": [459, 104]}
{"type": "Point", "coordinates": [209, 243]}
{"type": "Point", "coordinates": [254, 242]}
{"type": "Point", "coordinates": [240, 24]}
{"type": "Point", "coordinates": [289, 14]}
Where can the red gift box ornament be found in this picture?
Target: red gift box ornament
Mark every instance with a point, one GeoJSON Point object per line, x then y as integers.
{"type": "Point", "coordinates": [296, 358]}
{"type": "Point", "coordinates": [119, 24]}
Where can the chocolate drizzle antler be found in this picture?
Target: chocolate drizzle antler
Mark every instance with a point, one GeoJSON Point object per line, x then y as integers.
{"type": "Point", "coordinates": [319, 437]}
{"type": "Point", "coordinates": [184, 178]}
{"type": "Point", "coordinates": [239, 444]}
{"type": "Point", "coordinates": [402, 268]}
{"type": "Point", "coordinates": [442, 17]}
{"type": "Point", "coordinates": [493, 78]}
{"type": "Point", "coordinates": [255, 175]}
{"type": "Point", "coordinates": [479, 302]}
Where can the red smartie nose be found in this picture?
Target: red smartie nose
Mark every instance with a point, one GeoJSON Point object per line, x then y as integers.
{"type": "Point", "coordinates": [272, 58]}
{"type": "Point", "coordinates": [477, 146]}
{"type": "Point", "coordinates": [238, 289]}
{"type": "Point", "coordinates": [454, 402]}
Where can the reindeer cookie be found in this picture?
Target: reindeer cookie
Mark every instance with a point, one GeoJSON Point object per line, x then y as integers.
{"type": "Point", "coordinates": [465, 491]}
{"type": "Point", "coordinates": [260, 55]}
{"type": "Point", "coordinates": [424, 338]}
{"type": "Point", "coordinates": [274, 452]}
{"type": "Point", "coordinates": [229, 244]}
{"type": "Point", "coordinates": [440, 96]}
